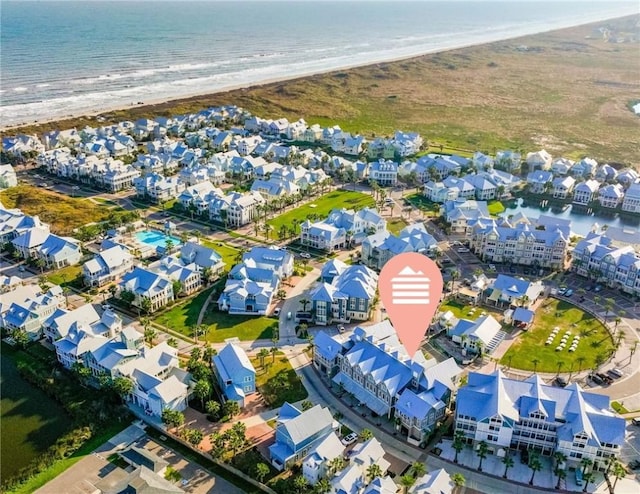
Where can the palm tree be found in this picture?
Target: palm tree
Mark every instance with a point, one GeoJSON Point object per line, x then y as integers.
{"type": "Point", "coordinates": [535, 363]}
{"type": "Point", "coordinates": [202, 390]}
{"type": "Point", "coordinates": [304, 302]}
{"type": "Point", "coordinates": [561, 473]}
{"type": "Point", "coordinates": [535, 465]}
{"type": "Point", "coordinates": [507, 461]}
{"type": "Point", "coordinates": [149, 335]}
{"type": "Point", "coordinates": [373, 471]}
{"type": "Point", "coordinates": [322, 487]}
{"type": "Point", "coordinates": [588, 478]}
{"type": "Point", "coordinates": [580, 361]}
{"type": "Point", "coordinates": [261, 471]}
{"type": "Point", "coordinates": [458, 480]}
{"type": "Point", "coordinates": [458, 443]}
{"type": "Point", "coordinates": [262, 354]}
{"type": "Point", "coordinates": [559, 365]}
{"type": "Point", "coordinates": [482, 451]}
{"type": "Point", "coordinates": [336, 464]}
{"type": "Point", "coordinates": [618, 472]}
{"type": "Point", "coordinates": [365, 435]}
{"type": "Point", "coordinates": [559, 458]}
{"type": "Point", "coordinates": [585, 463]}
{"type": "Point", "coordinates": [418, 469]}
{"type": "Point", "coordinates": [406, 481]}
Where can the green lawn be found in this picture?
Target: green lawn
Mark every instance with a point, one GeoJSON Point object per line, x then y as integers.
{"type": "Point", "coordinates": [184, 316]}
{"type": "Point", "coordinates": [228, 252]}
{"type": "Point", "coordinates": [223, 325]}
{"type": "Point", "coordinates": [56, 469]}
{"type": "Point", "coordinates": [395, 225]}
{"type": "Point", "coordinates": [595, 341]}
{"type": "Point", "coordinates": [460, 310]}
{"type": "Point", "coordinates": [65, 276]}
{"type": "Point", "coordinates": [495, 208]}
{"type": "Point", "coordinates": [421, 202]}
{"type": "Point", "coordinates": [276, 390]}
{"type": "Point", "coordinates": [322, 206]}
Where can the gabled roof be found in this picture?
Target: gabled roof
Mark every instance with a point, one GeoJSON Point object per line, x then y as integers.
{"type": "Point", "coordinates": [231, 362]}
{"type": "Point", "coordinates": [307, 424]}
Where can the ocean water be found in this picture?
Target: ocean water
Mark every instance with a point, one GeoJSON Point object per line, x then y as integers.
{"type": "Point", "coordinates": [64, 58]}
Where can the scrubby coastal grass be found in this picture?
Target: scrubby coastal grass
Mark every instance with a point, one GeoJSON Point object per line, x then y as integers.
{"type": "Point", "coordinates": [519, 94]}
{"type": "Point", "coordinates": [322, 206]}
{"type": "Point", "coordinates": [277, 381]}
{"type": "Point", "coordinates": [62, 212]}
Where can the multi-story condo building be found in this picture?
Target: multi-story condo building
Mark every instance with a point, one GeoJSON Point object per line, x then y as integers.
{"type": "Point", "coordinates": [562, 187]}
{"type": "Point", "coordinates": [379, 248]}
{"type": "Point", "coordinates": [385, 173]}
{"type": "Point", "coordinates": [145, 284]}
{"type": "Point", "coordinates": [542, 245]}
{"type": "Point", "coordinates": [373, 366]}
{"type": "Point", "coordinates": [597, 257]}
{"type": "Point", "coordinates": [610, 196]}
{"type": "Point", "coordinates": [348, 297]}
{"type": "Point", "coordinates": [341, 228]}
{"type": "Point", "coordinates": [507, 413]}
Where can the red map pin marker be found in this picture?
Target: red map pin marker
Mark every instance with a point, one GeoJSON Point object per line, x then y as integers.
{"type": "Point", "coordinates": [410, 287]}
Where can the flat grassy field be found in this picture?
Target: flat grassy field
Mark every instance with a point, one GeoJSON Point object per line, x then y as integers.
{"type": "Point", "coordinates": [322, 206]}
{"type": "Point", "coordinates": [61, 212]}
{"type": "Point", "coordinates": [395, 225]}
{"type": "Point", "coordinates": [228, 252]}
{"type": "Point", "coordinates": [275, 389]}
{"type": "Point", "coordinates": [66, 276]}
{"type": "Point", "coordinates": [247, 328]}
{"type": "Point", "coordinates": [463, 311]}
{"type": "Point", "coordinates": [495, 208]}
{"type": "Point", "coordinates": [183, 317]}
{"type": "Point", "coordinates": [530, 345]}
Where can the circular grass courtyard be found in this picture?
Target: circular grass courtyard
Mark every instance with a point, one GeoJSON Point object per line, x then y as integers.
{"type": "Point", "coordinates": [531, 352]}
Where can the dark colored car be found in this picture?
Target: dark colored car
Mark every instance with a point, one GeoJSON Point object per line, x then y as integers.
{"type": "Point", "coordinates": [561, 381]}
{"type": "Point", "coordinates": [513, 269]}
{"type": "Point", "coordinates": [596, 379]}
{"type": "Point", "coordinates": [635, 421]}
{"type": "Point", "coordinates": [604, 377]}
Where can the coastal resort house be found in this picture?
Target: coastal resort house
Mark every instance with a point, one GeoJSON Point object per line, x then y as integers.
{"type": "Point", "coordinates": [355, 477]}
{"type": "Point", "coordinates": [479, 337]}
{"type": "Point", "coordinates": [107, 266]}
{"type": "Point", "coordinates": [509, 413]}
{"type": "Point", "coordinates": [252, 284]}
{"type": "Point", "coordinates": [516, 292]}
{"type": "Point", "coordinates": [586, 192]}
{"type": "Point", "coordinates": [145, 285]}
{"type": "Point", "coordinates": [435, 482]}
{"type": "Point", "coordinates": [461, 213]}
{"type": "Point", "coordinates": [317, 464]}
{"type": "Point", "coordinates": [234, 373]}
{"type": "Point", "coordinates": [374, 367]}
{"type": "Point", "coordinates": [142, 480]}
{"type": "Point", "coordinates": [519, 317]}
{"type": "Point", "coordinates": [349, 296]}
{"type": "Point", "coordinates": [377, 249]}
{"type": "Point", "coordinates": [298, 433]}
{"type": "Point", "coordinates": [341, 229]}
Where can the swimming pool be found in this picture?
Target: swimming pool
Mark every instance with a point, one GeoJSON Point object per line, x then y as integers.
{"type": "Point", "coordinates": [156, 239]}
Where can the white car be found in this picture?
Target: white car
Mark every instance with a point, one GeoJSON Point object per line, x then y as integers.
{"type": "Point", "coordinates": [463, 250]}
{"type": "Point", "coordinates": [305, 255]}
{"type": "Point", "coordinates": [349, 439]}
{"type": "Point", "coordinates": [276, 311]}
{"type": "Point", "coordinates": [492, 267]}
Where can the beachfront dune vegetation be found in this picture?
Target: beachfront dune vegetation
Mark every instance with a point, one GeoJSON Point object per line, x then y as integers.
{"type": "Point", "coordinates": [567, 91]}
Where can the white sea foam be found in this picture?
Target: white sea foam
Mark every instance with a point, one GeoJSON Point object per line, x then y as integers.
{"type": "Point", "coordinates": [233, 65]}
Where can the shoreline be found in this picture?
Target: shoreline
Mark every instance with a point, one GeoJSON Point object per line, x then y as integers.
{"type": "Point", "coordinates": [164, 104]}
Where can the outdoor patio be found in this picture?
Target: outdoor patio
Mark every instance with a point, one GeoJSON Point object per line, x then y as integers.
{"type": "Point", "coordinates": [492, 465]}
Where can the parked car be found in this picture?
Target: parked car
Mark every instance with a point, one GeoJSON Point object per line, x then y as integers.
{"type": "Point", "coordinates": [604, 377]}
{"type": "Point", "coordinates": [635, 421]}
{"type": "Point", "coordinates": [561, 381]}
{"type": "Point", "coordinates": [598, 288]}
{"type": "Point", "coordinates": [578, 476]}
{"type": "Point", "coordinates": [562, 290]}
{"type": "Point", "coordinates": [568, 293]}
{"type": "Point", "coordinates": [617, 373]}
{"type": "Point", "coordinates": [588, 288]}
{"type": "Point", "coordinates": [349, 439]}
{"type": "Point", "coordinates": [463, 250]}
{"type": "Point", "coordinates": [305, 255]}
{"type": "Point", "coordinates": [526, 271]}
{"type": "Point", "coordinates": [513, 269]}
{"type": "Point", "coordinates": [596, 379]}
{"type": "Point", "coordinates": [276, 311]}
{"type": "Point", "coordinates": [340, 329]}
{"type": "Point", "coordinates": [492, 267]}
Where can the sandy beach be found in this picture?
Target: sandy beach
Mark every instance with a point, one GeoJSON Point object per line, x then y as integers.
{"type": "Point", "coordinates": [469, 76]}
